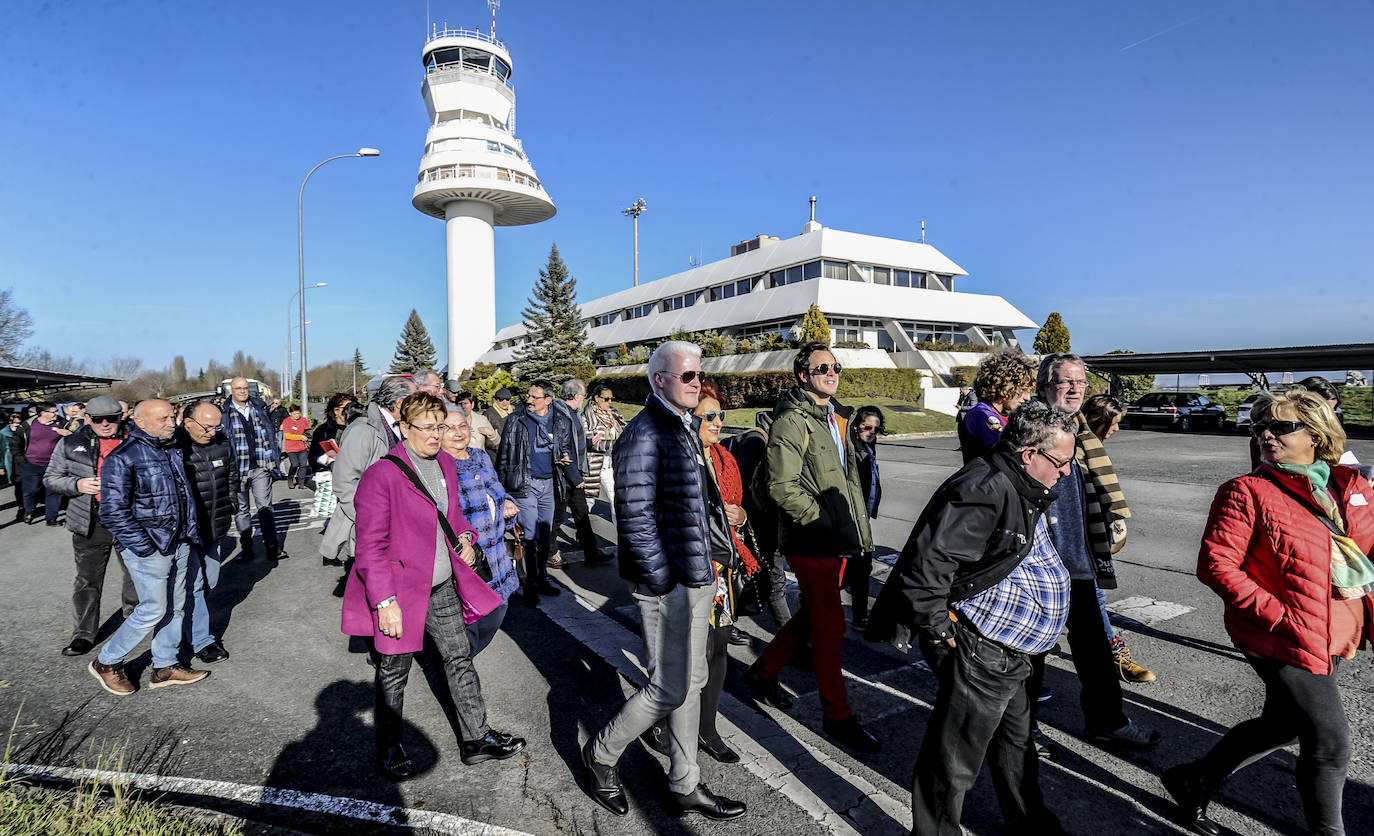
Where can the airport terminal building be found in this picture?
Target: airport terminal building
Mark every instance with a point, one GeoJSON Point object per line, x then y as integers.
{"type": "Point", "coordinates": [888, 293]}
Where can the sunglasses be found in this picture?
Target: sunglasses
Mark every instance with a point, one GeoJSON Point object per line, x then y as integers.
{"type": "Point", "coordinates": [1056, 462]}
{"type": "Point", "coordinates": [685, 377]}
{"type": "Point", "coordinates": [106, 419]}
{"type": "Point", "coordinates": [824, 369]}
{"type": "Point", "coordinates": [1278, 428]}
{"type": "Point", "coordinates": [708, 417]}
{"type": "Point", "coordinates": [606, 398]}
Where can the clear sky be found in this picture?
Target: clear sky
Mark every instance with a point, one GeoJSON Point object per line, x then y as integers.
{"type": "Point", "coordinates": [1168, 175]}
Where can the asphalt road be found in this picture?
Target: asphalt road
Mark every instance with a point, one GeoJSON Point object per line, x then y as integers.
{"type": "Point", "coordinates": [292, 708]}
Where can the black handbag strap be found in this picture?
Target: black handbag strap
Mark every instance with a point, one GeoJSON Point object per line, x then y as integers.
{"type": "Point", "coordinates": [480, 564]}
{"type": "Point", "coordinates": [1330, 524]}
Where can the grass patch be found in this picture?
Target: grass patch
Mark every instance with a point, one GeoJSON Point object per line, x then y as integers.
{"type": "Point", "coordinates": [902, 416]}
{"type": "Point", "coordinates": [89, 808]}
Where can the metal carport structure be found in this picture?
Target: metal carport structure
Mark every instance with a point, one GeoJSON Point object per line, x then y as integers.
{"type": "Point", "coordinates": [16, 382]}
{"type": "Point", "coordinates": [1255, 362]}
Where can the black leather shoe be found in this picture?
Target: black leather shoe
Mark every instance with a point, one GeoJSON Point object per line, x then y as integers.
{"type": "Point", "coordinates": [860, 623]}
{"type": "Point", "coordinates": [546, 587]}
{"type": "Point", "coordinates": [603, 784]}
{"type": "Point", "coordinates": [274, 553]}
{"type": "Point", "coordinates": [1190, 800]}
{"type": "Point", "coordinates": [656, 738]}
{"type": "Point", "coordinates": [848, 732]}
{"type": "Point", "coordinates": [739, 638]}
{"type": "Point", "coordinates": [597, 558]}
{"type": "Point", "coordinates": [331, 561]}
{"type": "Point", "coordinates": [212, 653]}
{"type": "Point", "coordinates": [767, 690]}
{"type": "Point", "coordinates": [78, 647]}
{"type": "Point", "coordinates": [718, 751]}
{"type": "Point", "coordinates": [493, 746]}
{"type": "Point", "coordinates": [53, 523]}
{"type": "Point", "coordinates": [707, 803]}
{"type": "Point", "coordinates": [395, 763]}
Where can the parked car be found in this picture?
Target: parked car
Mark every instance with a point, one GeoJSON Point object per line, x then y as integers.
{"type": "Point", "coordinates": [1243, 412]}
{"type": "Point", "coordinates": [1183, 411]}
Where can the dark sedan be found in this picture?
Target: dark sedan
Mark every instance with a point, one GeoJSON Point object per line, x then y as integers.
{"type": "Point", "coordinates": [1183, 411]}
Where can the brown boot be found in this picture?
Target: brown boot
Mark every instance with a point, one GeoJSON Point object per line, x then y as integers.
{"type": "Point", "coordinates": [111, 678]}
{"type": "Point", "coordinates": [178, 674]}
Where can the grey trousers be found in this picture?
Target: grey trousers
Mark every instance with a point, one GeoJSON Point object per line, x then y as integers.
{"type": "Point", "coordinates": [444, 624]}
{"type": "Point", "coordinates": [257, 483]}
{"type": "Point", "coordinates": [675, 630]}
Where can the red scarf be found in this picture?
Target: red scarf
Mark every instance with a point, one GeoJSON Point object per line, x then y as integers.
{"type": "Point", "coordinates": [732, 491]}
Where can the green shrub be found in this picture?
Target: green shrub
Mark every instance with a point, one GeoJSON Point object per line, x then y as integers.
{"type": "Point", "coordinates": [941, 345]}
{"type": "Point", "coordinates": [852, 344]}
{"type": "Point", "coordinates": [963, 375]}
{"type": "Point", "coordinates": [762, 389]}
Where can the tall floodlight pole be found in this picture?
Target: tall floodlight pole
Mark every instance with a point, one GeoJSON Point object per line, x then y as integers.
{"type": "Point", "coordinates": [635, 210]}
{"type": "Point", "coordinates": [300, 256]}
{"type": "Point", "coordinates": [286, 376]}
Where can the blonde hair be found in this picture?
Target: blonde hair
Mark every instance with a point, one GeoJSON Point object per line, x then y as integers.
{"type": "Point", "coordinates": [420, 404]}
{"type": "Point", "coordinates": [1327, 434]}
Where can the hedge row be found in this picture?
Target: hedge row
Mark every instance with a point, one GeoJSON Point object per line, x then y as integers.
{"type": "Point", "coordinates": [762, 389]}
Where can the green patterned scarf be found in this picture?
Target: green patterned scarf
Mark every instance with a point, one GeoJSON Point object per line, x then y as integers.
{"type": "Point", "coordinates": [1351, 571]}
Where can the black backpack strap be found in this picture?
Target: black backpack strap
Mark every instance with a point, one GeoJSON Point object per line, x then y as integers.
{"type": "Point", "coordinates": [1335, 529]}
{"type": "Point", "coordinates": [480, 564]}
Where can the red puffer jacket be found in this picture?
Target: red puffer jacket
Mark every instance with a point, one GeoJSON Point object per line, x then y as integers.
{"type": "Point", "coordinates": [1269, 558]}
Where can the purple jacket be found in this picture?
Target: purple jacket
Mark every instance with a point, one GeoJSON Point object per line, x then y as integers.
{"type": "Point", "coordinates": [397, 533]}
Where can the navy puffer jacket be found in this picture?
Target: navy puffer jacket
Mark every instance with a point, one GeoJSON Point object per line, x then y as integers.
{"type": "Point", "coordinates": [145, 497]}
{"type": "Point", "coordinates": [660, 501]}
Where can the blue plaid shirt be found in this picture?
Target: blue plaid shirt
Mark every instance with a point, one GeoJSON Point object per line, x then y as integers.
{"type": "Point", "coordinates": [263, 453]}
{"type": "Point", "coordinates": [1027, 610]}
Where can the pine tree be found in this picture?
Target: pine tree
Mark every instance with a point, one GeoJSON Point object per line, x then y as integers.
{"type": "Point", "coordinates": [558, 347]}
{"type": "Point", "coordinates": [814, 327]}
{"type": "Point", "coordinates": [1053, 337]}
{"type": "Point", "coordinates": [359, 375]}
{"type": "Point", "coordinates": [414, 351]}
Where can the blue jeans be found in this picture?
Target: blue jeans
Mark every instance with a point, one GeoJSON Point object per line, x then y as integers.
{"type": "Point", "coordinates": [1106, 620]}
{"type": "Point", "coordinates": [161, 583]}
{"type": "Point", "coordinates": [201, 574]}
{"type": "Point", "coordinates": [536, 518]}
{"type": "Point", "coordinates": [33, 486]}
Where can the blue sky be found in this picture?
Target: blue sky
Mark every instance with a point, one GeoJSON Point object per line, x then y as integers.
{"type": "Point", "coordinates": [1167, 175]}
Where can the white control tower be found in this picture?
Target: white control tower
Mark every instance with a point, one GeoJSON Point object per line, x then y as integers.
{"type": "Point", "coordinates": [474, 175]}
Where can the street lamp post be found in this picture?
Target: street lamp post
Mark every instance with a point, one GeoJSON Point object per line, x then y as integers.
{"type": "Point", "coordinates": [287, 364]}
{"type": "Point", "coordinates": [300, 255]}
{"type": "Point", "coordinates": [635, 210]}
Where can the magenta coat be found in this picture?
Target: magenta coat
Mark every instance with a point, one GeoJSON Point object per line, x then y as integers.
{"type": "Point", "coordinates": [397, 533]}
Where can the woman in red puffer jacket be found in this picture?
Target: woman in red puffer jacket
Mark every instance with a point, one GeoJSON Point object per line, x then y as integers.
{"type": "Point", "coordinates": [1285, 548]}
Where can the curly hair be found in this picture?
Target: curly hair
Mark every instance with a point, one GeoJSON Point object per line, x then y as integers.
{"type": "Point", "coordinates": [1002, 376]}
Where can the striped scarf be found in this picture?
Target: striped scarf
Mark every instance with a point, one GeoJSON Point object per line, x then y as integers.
{"type": "Point", "coordinates": [1106, 504]}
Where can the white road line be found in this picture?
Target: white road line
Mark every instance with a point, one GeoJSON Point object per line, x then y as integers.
{"type": "Point", "coordinates": [770, 750]}
{"type": "Point", "coordinates": [248, 794]}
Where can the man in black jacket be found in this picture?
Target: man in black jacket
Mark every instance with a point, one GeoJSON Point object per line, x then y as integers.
{"type": "Point", "coordinates": [213, 471]}
{"type": "Point", "coordinates": [537, 449]}
{"type": "Point", "coordinates": [665, 551]}
{"type": "Point", "coordinates": [980, 573]}
{"type": "Point", "coordinates": [74, 471]}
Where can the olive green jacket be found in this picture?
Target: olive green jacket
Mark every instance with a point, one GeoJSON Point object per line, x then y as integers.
{"type": "Point", "coordinates": [820, 503]}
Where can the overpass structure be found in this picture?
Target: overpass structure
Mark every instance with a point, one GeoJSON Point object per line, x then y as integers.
{"type": "Point", "coordinates": [1257, 363]}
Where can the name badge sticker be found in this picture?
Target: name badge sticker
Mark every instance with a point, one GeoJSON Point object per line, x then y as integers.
{"type": "Point", "coordinates": [1358, 499]}
{"type": "Point", "coordinates": [217, 463]}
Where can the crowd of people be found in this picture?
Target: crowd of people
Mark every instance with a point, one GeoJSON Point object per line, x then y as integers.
{"type": "Point", "coordinates": [441, 512]}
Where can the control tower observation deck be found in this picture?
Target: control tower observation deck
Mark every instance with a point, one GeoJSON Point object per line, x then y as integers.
{"type": "Point", "coordinates": [474, 175]}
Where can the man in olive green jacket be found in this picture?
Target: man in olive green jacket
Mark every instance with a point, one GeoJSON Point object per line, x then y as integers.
{"type": "Point", "coordinates": [813, 478]}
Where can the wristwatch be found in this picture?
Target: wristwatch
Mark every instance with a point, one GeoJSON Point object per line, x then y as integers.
{"type": "Point", "coordinates": [388, 602]}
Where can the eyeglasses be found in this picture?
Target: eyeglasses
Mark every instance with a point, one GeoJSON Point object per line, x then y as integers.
{"type": "Point", "coordinates": [104, 419]}
{"type": "Point", "coordinates": [540, 397]}
{"type": "Point", "coordinates": [1278, 428]}
{"type": "Point", "coordinates": [685, 377]}
{"type": "Point", "coordinates": [1056, 462]}
{"type": "Point", "coordinates": [216, 428]}
{"type": "Point", "coordinates": [1069, 383]}
{"type": "Point", "coordinates": [708, 417]}
{"type": "Point", "coordinates": [432, 429]}
{"type": "Point", "coordinates": [824, 369]}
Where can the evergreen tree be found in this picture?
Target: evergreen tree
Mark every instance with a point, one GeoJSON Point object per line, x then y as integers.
{"type": "Point", "coordinates": [558, 347]}
{"type": "Point", "coordinates": [1053, 337]}
{"type": "Point", "coordinates": [414, 351]}
{"type": "Point", "coordinates": [178, 372]}
{"type": "Point", "coordinates": [814, 327]}
{"type": "Point", "coordinates": [359, 374]}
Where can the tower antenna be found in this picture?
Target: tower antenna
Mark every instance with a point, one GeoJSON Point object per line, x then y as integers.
{"type": "Point", "coordinates": [495, 4]}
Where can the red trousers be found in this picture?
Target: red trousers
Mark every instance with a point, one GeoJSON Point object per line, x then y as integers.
{"type": "Point", "coordinates": [820, 618]}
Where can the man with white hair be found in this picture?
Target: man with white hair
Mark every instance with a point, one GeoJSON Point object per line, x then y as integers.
{"type": "Point", "coordinates": [665, 553]}
{"type": "Point", "coordinates": [428, 380]}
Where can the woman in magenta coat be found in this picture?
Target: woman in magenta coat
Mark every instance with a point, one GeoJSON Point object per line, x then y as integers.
{"type": "Point", "coordinates": [1285, 547]}
{"type": "Point", "coordinates": [407, 580]}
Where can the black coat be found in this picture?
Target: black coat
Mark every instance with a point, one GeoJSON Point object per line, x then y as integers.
{"type": "Point", "coordinates": [76, 457]}
{"type": "Point", "coordinates": [661, 501]}
{"type": "Point", "coordinates": [864, 456]}
{"type": "Point", "coordinates": [213, 471]}
{"type": "Point", "coordinates": [974, 531]}
{"type": "Point", "coordinates": [328, 431]}
{"type": "Point", "coordinates": [513, 456]}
